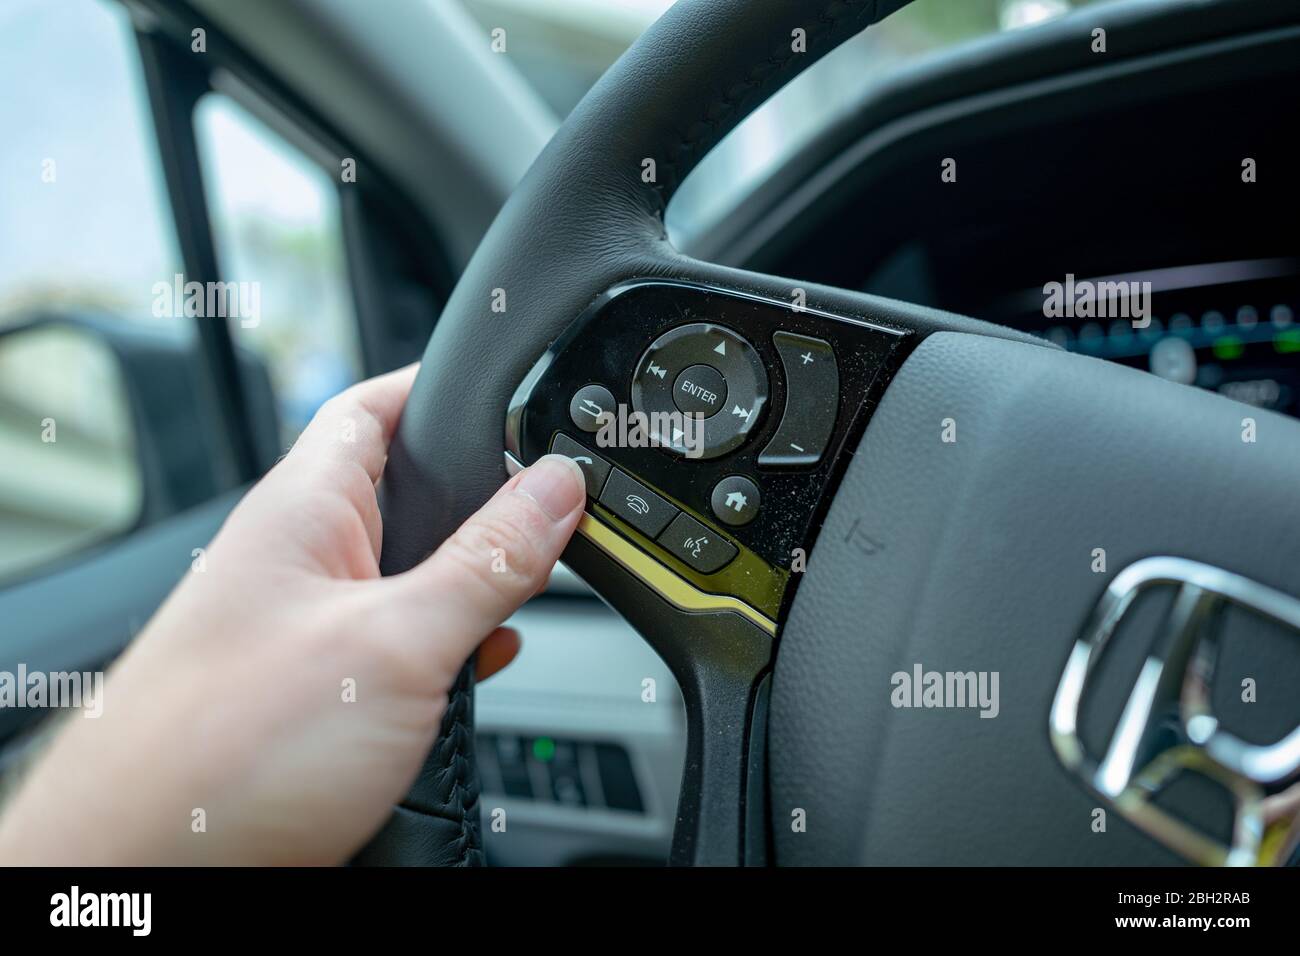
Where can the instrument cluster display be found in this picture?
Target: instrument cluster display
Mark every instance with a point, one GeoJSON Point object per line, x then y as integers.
{"type": "Point", "coordinates": [1233, 328]}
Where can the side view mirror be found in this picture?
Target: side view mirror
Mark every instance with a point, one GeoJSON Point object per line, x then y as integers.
{"type": "Point", "coordinates": [71, 477]}
{"type": "Point", "coordinates": [104, 429]}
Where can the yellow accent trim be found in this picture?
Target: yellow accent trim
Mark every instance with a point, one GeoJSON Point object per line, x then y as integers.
{"type": "Point", "coordinates": [676, 590]}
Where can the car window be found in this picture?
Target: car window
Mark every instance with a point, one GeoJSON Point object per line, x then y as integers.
{"type": "Point", "coordinates": [87, 234]}
{"type": "Point", "coordinates": [87, 221]}
{"type": "Point", "coordinates": [276, 222]}
{"type": "Point", "coordinates": [563, 46]}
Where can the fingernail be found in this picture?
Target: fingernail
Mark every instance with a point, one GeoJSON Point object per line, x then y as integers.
{"type": "Point", "coordinates": [556, 483]}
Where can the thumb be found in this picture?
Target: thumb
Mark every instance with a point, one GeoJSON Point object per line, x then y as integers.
{"type": "Point", "coordinates": [499, 558]}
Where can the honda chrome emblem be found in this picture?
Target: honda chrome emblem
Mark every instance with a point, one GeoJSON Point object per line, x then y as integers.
{"type": "Point", "coordinates": [1167, 726]}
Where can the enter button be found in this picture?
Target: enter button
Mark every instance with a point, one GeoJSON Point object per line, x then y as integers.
{"type": "Point", "coordinates": [700, 390]}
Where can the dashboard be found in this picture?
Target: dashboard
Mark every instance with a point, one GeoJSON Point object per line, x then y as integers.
{"type": "Point", "coordinates": [1168, 174]}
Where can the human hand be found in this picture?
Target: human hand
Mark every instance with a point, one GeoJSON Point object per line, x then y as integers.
{"type": "Point", "coordinates": [234, 701]}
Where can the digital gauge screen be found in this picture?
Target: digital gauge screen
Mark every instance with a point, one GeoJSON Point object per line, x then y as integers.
{"type": "Point", "coordinates": [1233, 327]}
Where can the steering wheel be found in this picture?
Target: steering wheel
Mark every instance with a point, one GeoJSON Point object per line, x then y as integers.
{"type": "Point", "coordinates": [897, 559]}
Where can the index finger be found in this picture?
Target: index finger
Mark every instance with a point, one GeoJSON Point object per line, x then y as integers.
{"type": "Point", "coordinates": [356, 425]}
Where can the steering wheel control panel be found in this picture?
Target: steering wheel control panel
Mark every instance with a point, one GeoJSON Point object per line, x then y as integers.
{"type": "Point", "coordinates": [708, 425]}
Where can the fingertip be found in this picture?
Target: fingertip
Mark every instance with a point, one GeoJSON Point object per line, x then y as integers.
{"type": "Point", "coordinates": [502, 555]}
{"type": "Point", "coordinates": [556, 483]}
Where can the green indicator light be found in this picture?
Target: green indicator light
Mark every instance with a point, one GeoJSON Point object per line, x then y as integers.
{"type": "Point", "coordinates": [1287, 342]}
{"type": "Point", "coordinates": [1228, 347]}
{"type": "Point", "coordinates": [544, 749]}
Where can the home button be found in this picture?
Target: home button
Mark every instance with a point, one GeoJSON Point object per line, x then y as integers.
{"type": "Point", "coordinates": [735, 500]}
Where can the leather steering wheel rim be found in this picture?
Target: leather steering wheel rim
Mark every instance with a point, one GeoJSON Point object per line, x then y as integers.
{"type": "Point", "coordinates": [587, 219]}
{"type": "Point", "coordinates": [581, 221]}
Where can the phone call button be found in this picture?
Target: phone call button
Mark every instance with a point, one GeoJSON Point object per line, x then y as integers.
{"type": "Point", "coordinates": [594, 468]}
{"type": "Point", "coordinates": [636, 504]}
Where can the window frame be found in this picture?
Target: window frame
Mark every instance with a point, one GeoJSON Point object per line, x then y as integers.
{"type": "Point", "coordinates": [398, 270]}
